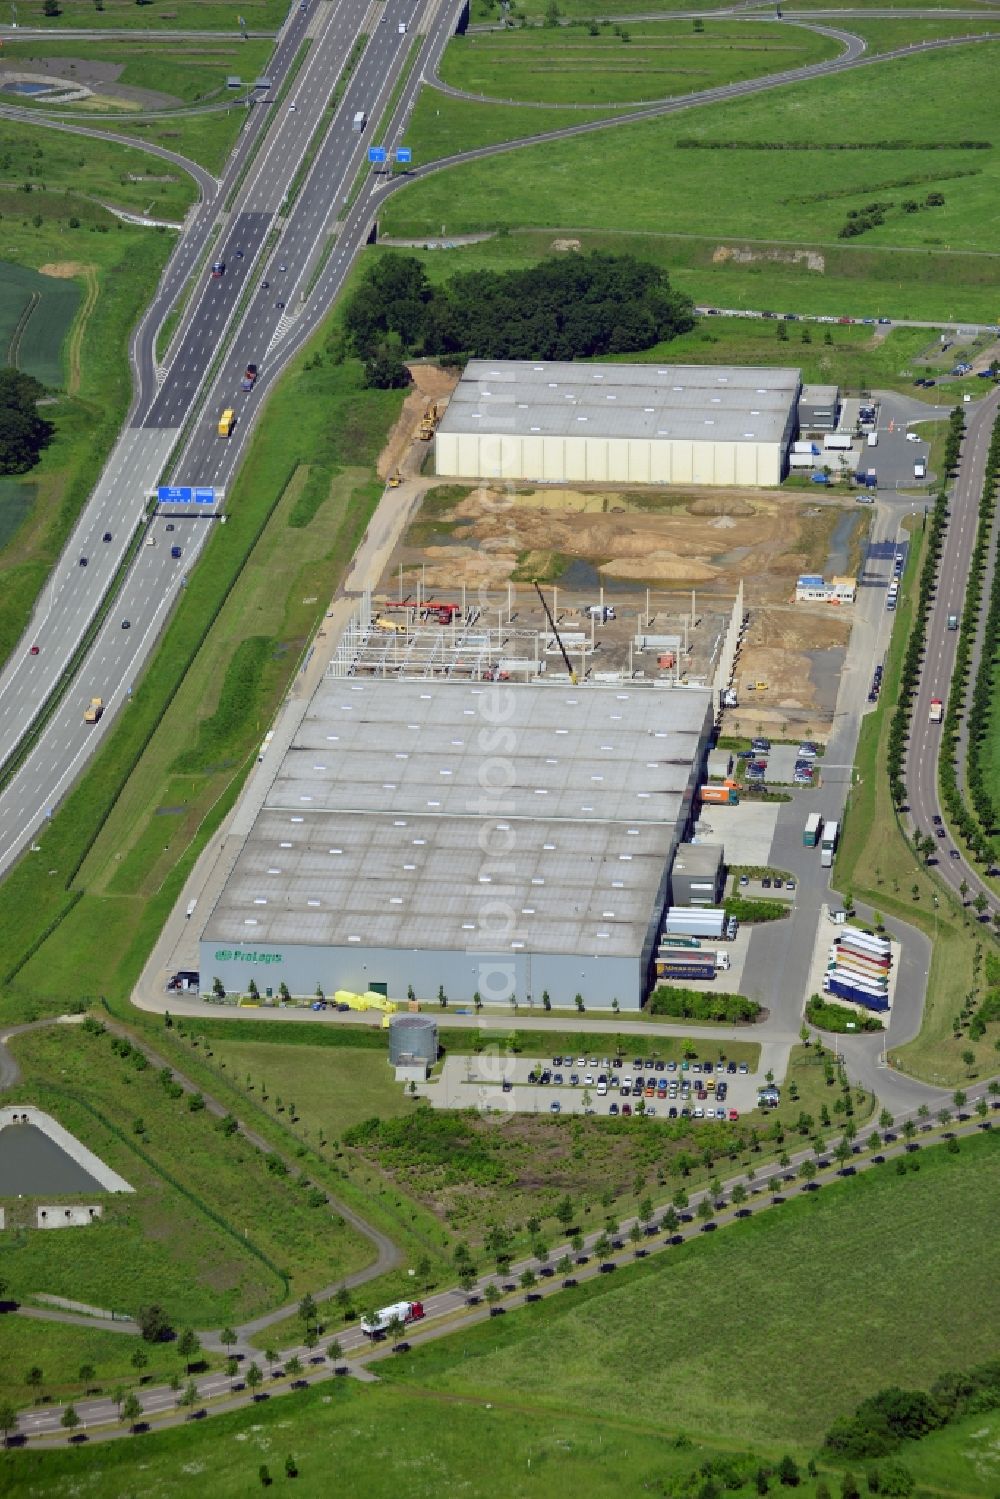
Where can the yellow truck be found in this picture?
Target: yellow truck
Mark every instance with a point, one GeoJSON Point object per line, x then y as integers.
{"type": "Point", "coordinates": [430, 420]}
{"type": "Point", "coordinates": [93, 713]}
{"type": "Point", "coordinates": [227, 422]}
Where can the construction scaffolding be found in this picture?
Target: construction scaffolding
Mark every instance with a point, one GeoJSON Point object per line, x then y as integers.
{"type": "Point", "coordinates": [433, 640]}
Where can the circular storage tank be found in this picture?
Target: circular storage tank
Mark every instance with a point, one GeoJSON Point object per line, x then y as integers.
{"type": "Point", "coordinates": [413, 1036]}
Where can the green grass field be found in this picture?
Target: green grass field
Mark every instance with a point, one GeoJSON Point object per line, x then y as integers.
{"type": "Point", "coordinates": [50, 163]}
{"type": "Point", "coordinates": [660, 59]}
{"type": "Point", "coordinates": [36, 313]}
{"type": "Point", "coordinates": [742, 1335]}
{"type": "Point", "coordinates": [184, 1172]}
{"type": "Point", "coordinates": [720, 1321]}
{"type": "Point", "coordinates": [167, 15]}
{"type": "Point", "coordinates": [603, 181]}
{"type": "Point", "coordinates": [883, 35]}
{"type": "Point", "coordinates": [187, 70]}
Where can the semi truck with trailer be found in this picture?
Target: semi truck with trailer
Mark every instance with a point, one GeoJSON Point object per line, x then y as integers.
{"type": "Point", "coordinates": [676, 963]}
{"type": "Point", "coordinates": [400, 1311]}
{"type": "Point", "coordinates": [723, 796]}
{"type": "Point", "coordinates": [828, 844]}
{"type": "Point", "coordinates": [360, 120]}
{"type": "Point", "coordinates": [812, 830]}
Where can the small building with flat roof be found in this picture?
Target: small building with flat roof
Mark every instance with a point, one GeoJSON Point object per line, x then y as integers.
{"type": "Point", "coordinates": [619, 423]}
{"type": "Point", "coordinates": [819, 408]}
{"type": "Point", "coordinates": [697, 875]}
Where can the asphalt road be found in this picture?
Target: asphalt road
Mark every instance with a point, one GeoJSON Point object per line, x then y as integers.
{"type": "Point", "coordinates": [921, 774]}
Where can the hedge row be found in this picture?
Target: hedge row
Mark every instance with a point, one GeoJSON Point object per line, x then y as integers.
{"type": "Point", "coordinates": [909, 676]}
{"type": "Point", "coordinates": [702, 1004]}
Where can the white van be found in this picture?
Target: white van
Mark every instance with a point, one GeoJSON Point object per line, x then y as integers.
{"type": "Point", "coordinates": [873, 439]}
{"type": "Point", "coordinates": [602, 1088]}
{"type": "Point", "coordinates": [359, 120]}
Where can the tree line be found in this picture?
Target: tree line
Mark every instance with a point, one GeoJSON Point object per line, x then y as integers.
{"type": "Point", "coordinates": [23, 433]}
{"type": "Point", "coordinates": [573, 307]}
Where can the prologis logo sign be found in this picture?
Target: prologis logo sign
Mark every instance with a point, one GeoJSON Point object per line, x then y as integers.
{"type": "Point", "coordinates": [241, 955]}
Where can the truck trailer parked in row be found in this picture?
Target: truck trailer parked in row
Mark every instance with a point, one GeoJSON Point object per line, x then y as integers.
{"type": "Point", "coordinates": [701, 921]}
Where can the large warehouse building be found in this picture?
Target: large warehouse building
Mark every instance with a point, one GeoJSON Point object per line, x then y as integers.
{"type": "Point", "coordinates": [506, 840]}
{"type": "Point", "coordinates": [619, 423]}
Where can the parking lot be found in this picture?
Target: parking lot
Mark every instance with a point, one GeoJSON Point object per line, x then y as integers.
{"type": "Point", "coordinates": [596, 1084]}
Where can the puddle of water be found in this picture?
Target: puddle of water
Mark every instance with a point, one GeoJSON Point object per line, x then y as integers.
{"type": "Point", "coordinates": [30, 89]}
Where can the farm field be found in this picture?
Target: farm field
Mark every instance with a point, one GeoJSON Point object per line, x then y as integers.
{"type": "Point", "coordinates": [182, 15]}
{"type": "Point", "coordinates": [246, 1226]}
{"type": "Point", "coordinates": [182, 71]}
{"type": "Point", "coordinates": [757, 1281]}
{"type": "Point", "coordinates": [595, 181]}
{"type": "Point", "coordinates": [883, 35]}
{"type": "Point", "coordinates": [36, 313]}
{"type": "Point", "coordinates": [658, 60]}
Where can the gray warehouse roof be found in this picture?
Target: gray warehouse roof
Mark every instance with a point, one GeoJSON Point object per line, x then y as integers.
{"type": "Point", "coordinates": [697, 859]}
{"type": "Point", "coordinates": [819, 395]}
{"type": "Point", "coordinates": [706, 403]}
{"type": "Point", "coordinates": [405, 810]}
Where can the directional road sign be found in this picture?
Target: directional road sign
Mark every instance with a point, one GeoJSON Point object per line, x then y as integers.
{"type": "Point", "coordinates": [204, 495]}
{"type": "Point", "coordinates": [174, 494]}
{"type": "Point", "coordinates": [404, 155]}
{"type": "Point", "coordinates": [377, 154]}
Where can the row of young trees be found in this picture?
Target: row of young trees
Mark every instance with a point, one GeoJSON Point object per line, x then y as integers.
{"type": "Point", "coordinates": [899, 726]}
{"type": "Point", "coordinates": [567, 307]}
{"type": "Point", "coordinates": [979, 823]}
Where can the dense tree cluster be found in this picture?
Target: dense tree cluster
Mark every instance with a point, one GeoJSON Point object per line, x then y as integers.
{"type": "Point", "coordinates": [23, 433]}
{"type": "Point", "coordinates": [572, 307]}
{"type": "Point", "coordinates": [884, 1421]}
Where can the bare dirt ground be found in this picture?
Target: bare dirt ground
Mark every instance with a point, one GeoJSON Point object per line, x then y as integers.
{"type": "Point", "coordinates": [404, 451]}
{"type": "Point", "coordinates": [697, 538]}
{"type": "Point", "coordinates": [775, 652]}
